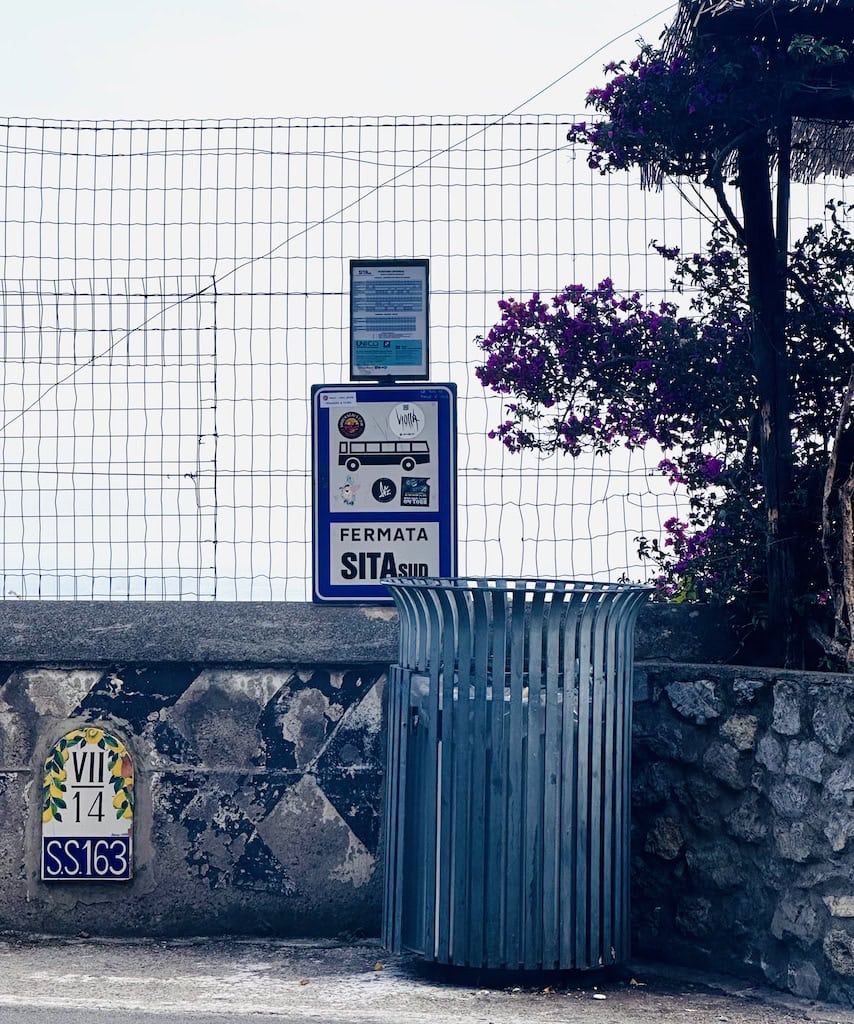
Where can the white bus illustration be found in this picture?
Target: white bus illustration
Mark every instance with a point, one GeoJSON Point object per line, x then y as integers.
{"type": "Point", "coordinates": [407, 454]}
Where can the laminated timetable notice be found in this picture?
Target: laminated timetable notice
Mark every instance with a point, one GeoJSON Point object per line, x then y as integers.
{"type": "Point", "coordinates": [389, 319]}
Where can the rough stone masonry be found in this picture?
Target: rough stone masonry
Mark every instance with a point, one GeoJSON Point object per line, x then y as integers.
{"type": "Point", "coordinates": [743, 823]}
{"type": "Point", "coordinates": [256, 733]}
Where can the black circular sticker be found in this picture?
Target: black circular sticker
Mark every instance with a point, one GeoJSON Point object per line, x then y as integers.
{"type": "Point", "coordinates": [384, 489]}
{"type": "Point", "coordinates": [351, 424]}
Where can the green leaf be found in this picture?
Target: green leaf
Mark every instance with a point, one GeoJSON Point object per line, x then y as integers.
{"type": "Point", "coordinates": [118, 783]}
{"type": "Point", "coordinates": [59, 802]}
{"type": "Point", "coordinates": [100, 744]}
{"type": "Point", "coordinates": [111, 741]}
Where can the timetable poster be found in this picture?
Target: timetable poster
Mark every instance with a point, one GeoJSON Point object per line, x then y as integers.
{"type": "Point", "coordinates": [389, 319]}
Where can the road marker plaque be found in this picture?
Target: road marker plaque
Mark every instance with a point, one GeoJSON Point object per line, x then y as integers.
{"type": "Point", "coordinates": [87, 809]}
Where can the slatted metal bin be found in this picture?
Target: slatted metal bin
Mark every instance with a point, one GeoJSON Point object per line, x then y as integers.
{"type": "Point", "coordinates": [508, 773]}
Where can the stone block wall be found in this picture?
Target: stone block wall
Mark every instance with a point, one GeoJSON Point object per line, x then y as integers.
{"type": "Point", "coordinates": [256, 732]}
{"type": "Point", "coordinates": [258, 798]}
{"type": "Point", "coordinates": [743, 824]}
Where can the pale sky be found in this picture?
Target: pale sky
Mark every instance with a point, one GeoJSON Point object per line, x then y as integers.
{"type": "Point", "coordinates": [232, 516]}
{"type": "Point", "coordinates": [105, 59]}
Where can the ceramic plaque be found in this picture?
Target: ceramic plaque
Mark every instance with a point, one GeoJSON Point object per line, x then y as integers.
{"type": "Point", "coordinates": [87, 809]}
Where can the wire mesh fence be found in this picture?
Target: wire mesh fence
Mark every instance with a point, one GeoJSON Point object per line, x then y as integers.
{"type": "Point", "coordinates": [171, 291]}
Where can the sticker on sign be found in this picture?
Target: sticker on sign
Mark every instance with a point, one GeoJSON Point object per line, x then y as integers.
{"type": "Point", "coordinates": [335, 398]}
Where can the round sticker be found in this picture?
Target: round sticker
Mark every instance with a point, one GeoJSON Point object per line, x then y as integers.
{"type": "Point", "coordinates": [406, 420]}
{"type": "Point", "coordinates": [351, 424]}
{"type": "Point", "coordinates": [384, 489]}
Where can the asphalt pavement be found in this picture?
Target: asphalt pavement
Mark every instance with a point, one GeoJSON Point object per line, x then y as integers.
{"type": "Point", "coordinates": [49, 980]}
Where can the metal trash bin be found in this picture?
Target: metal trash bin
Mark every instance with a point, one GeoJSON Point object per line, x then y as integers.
{"type": "Point", "coordinates": [508, 772]}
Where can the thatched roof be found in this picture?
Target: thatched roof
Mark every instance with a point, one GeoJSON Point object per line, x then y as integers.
{"type": "Point", "coordinates": [767, 20]}
{"type": "Point", "coordinates": [823, 120]}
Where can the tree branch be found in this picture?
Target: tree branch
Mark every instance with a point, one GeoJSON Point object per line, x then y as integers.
{"type": "Point", "coordinates": [715, 179]}
{"type": "Point", "coordinates": [845, 494]}
{"type": "Point", "coordinates": [809, 297]}
{"type": "Point", "coordinates": [837, 587]}
{"type": "Point", "coordinates": [784, 183]}
{"type": "Point", "coordinates": [831, 647]}
{"type": "Point", "coordinates": [718, 186]}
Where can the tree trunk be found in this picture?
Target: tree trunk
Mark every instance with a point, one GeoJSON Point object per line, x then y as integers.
{"type": "Point", "coordinates": [837, 536]}
{"type": "Point", "coordinates": [767, 282]}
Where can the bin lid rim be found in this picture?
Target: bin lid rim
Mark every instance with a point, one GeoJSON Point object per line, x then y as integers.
{"type": "Point", "coordinates": [512, 584]}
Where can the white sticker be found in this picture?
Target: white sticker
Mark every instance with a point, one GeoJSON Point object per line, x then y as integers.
{"type": "Point", "coordinates": [407, 420]}
{"type": "Point", "coordinates": [330, 398]}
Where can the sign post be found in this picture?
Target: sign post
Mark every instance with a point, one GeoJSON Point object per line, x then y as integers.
{"type": "Point", "coordinates": [384, 487]}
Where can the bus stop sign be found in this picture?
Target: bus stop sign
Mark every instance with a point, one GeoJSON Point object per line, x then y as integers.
{"type": "Point", "coordinates": [384, 460]}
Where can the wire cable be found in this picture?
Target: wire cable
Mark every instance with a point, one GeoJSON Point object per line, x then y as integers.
{"type": "Point", "coordinates": [219, 279]}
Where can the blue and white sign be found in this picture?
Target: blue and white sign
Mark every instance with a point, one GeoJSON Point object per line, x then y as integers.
{"type": "Point", "coordinates": [87, 808]}
{"type": "Point", "coordinates": [384, 486]}
{"type": "Point", "coordinates": [389, 319]}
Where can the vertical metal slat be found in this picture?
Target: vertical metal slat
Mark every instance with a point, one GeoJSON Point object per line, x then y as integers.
{"type": "Point", "coordinates": [532, 865]}
{"type": "Point", "coordinates": [597, 781]}
{"type": "Point", "coordinates": [496, 854]}
{"type": "Point", "coordinates": [611, 781]}
{"type": "Point", "coordinates": [552, 781]}
{"type": "Point", "coordinates": [513, 791]}
{"type": "Point", "coordinates": [582, 790]}
{"type": "Point", "coordinates": [479, 744]}
{"type": "Point", "coordinates": [461, 712]}
{"type": "Point", "coordinates": [569, 781]}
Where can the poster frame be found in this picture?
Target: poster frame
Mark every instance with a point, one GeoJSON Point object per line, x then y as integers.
{"type": "Point", "coordinates": [395, 372]}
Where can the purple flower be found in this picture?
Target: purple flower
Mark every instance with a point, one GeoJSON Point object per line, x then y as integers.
{"type": "Point", "coordinates": [712, 468]}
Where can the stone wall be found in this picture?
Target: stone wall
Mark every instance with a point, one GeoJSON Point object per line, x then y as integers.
{"type": "Point", "coordinates": [258, 798]}
{"type": "Point", "coordinates": [255, 730]}
{"type": "Point", "coordinates": [256, 735]}
{"type": "Point", "coordinates": [743, 824]}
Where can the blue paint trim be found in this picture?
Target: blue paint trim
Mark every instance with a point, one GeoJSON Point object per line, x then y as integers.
{"type": "Point", "coordinates": [86, 859]}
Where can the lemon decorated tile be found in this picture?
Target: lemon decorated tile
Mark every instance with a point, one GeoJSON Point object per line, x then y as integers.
{"type": "Point", "coordinates": [87, 808]}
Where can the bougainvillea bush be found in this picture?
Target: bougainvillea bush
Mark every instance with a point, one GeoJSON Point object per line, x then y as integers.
{"type": "Point", "coordinates": [685, 115]}
{"type": "Point", "coordinates": [747, 383]}
{"type": "Point", "coordinates": [593, 369]}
